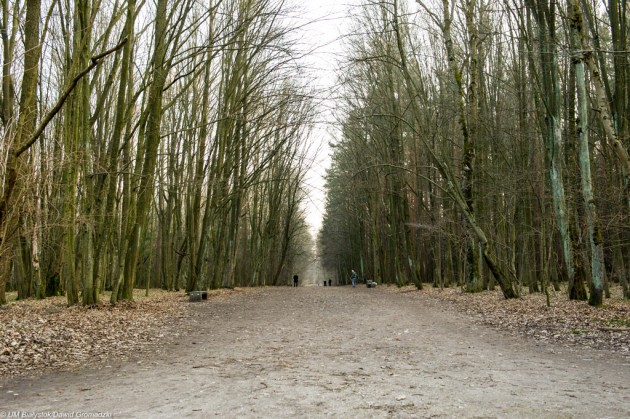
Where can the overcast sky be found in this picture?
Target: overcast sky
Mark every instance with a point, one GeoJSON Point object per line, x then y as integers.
{"type": "Point", "coordinates": [325, 22]}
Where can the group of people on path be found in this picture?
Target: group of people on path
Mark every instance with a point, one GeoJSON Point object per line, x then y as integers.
{"type": "Point", "coordinates": [353, 278]}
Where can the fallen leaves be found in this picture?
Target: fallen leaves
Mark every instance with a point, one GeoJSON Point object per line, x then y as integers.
{"type": "Point", "coordinates": [39, 335]}
{"type": "Point", "coordinates": [565, 321]}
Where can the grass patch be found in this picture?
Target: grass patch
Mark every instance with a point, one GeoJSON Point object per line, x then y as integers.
{"type": "Point", "coordinates": [578, 331]}
{"type": "Point", "coordinates": [618, 322]}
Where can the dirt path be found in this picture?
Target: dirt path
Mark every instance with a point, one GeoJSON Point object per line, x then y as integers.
{"type": "Point", "coordinates": [338, 352]}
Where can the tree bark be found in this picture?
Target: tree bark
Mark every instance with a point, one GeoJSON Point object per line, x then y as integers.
{"type": "Point", "coordinates": [590, 210]}
{"type": "Point", "coordinates": [25, 127]}
{"type": "Point", "coordinates": [152, 134]}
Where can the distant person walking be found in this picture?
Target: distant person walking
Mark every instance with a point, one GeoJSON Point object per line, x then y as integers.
{"type": "Point", "coordinates": [295, 280]}
{"type": "Point", "coordinates": [353, 278]}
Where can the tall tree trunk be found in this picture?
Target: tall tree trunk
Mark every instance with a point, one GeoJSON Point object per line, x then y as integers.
{"type": "Point", "coordinates": [26, 126]}
{"type": "Point", "coordinates": [590, 210]}
{"type": "Point", "coordinates": [469, 124]}
{"type": "Point", "coordinates": [107, 186]}
{"type": "Point", "coordinates": [143, 205]}
{"type": "Point", "coordinates": [196, 223]}
{"type": "Point", "coordinates": [544, 14]}
{"type": "Point", "coordinates": [10, 220]}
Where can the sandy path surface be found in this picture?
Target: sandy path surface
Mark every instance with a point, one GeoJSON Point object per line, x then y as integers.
{"type": "Point", "coordinates": [335, 352]}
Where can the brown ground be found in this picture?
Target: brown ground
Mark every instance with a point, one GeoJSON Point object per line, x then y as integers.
{"type": "Point", "coordinates": [339, 352]}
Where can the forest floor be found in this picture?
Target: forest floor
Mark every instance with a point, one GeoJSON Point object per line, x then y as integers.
{"type": "Point", "coordinates": [317, 352]}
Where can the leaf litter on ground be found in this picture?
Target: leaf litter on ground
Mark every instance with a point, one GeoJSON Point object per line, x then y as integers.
{"type": "Point", "coordinates": [564, 321]}
{"type": "Point", "coordinates": [42, 335]}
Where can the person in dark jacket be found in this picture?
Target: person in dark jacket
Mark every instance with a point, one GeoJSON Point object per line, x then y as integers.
{"type": "Point", "coordinates": [295, 280]}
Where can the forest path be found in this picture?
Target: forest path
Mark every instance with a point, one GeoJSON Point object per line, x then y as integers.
{"type": "Point", "coordinates": [337, 352]}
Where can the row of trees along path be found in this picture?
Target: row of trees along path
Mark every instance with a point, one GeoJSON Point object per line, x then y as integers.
{"type": "Point", "coordinates": [485, 145]}
{"type": "Point", "coordinates": [152, 144]}
{"type": "Point", "coordinates": [166, 145]}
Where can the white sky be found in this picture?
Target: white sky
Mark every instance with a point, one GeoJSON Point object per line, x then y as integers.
{"type": "Point", "coordinates": [325, 22]}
